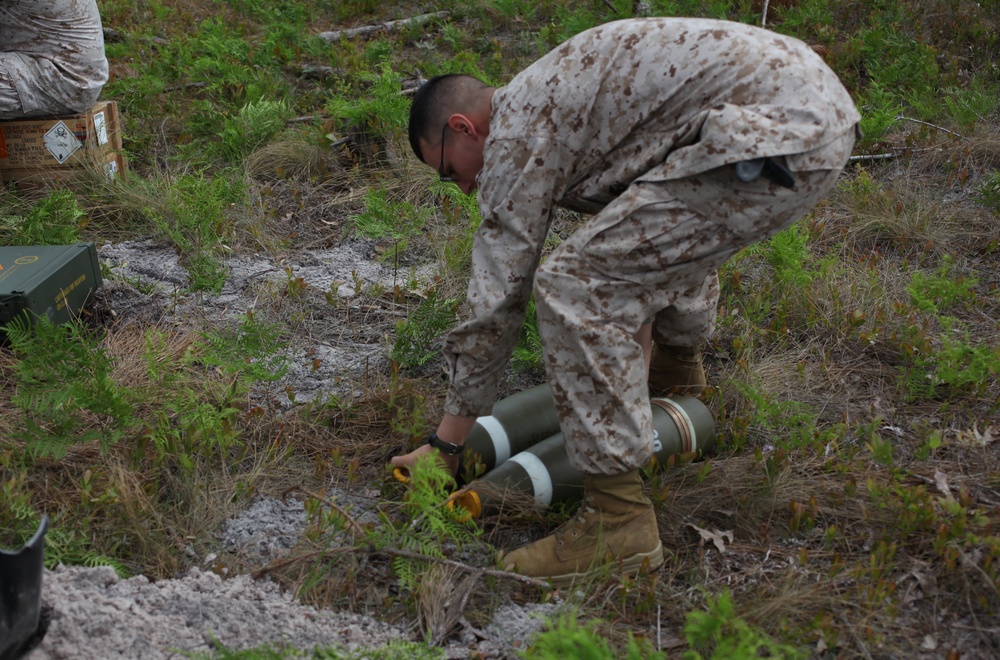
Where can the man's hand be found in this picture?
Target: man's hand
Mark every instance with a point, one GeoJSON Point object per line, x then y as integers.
{"type": "Point", "coordinates": [452, 428]}
{"type": "Point", "coordinates": [405, 462]}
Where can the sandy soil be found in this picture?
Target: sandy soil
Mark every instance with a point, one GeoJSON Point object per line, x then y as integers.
{"type": "Point", "coordinates": [95, 614]}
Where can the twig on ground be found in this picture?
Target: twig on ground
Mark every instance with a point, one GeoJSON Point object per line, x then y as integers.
{"type": "Point", "coordinates": [261, 572]}
{"type": "Point", "coordinates": [853, 159]}
{"type": "Point", "coordinates": [190, 85]}
{"type": "Point", "coordinates": [492, 572]}
{"type": "Point", "coordinates": [337, 35]}
{"type": "Point", "coordinates": [388, 552]}
{"type": "Point", "coordinates": [352, 525]}
{"type": "Point", "coordinates": [854, 635]}
{"type": "Point", "coordinates": [926, 123]}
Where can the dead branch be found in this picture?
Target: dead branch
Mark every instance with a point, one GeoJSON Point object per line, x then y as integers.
{"type": "Point", "coordinates": [352, 525]}
{"type": "Point", "coordinates": [306, 118]}
{"type": "Point", "coordinates": [924, 123]}
{"type": "Point", "coordinates": [319, 72]}
{"type": "Point", "coordinates": [337, 35]}
{"type": "Point", "coordinates": [389, 552]}
{"type": "Point", "coordinates": [854, 159]}
{"type": "Point", "coordinates": [185, 86]}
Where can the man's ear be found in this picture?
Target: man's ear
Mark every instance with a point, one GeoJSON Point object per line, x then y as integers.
{"type": "Point", "coordinates": [463, 125]}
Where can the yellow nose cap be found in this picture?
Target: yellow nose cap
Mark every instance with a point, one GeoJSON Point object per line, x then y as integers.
{"type": "Point", "coordinates": [471, 507]}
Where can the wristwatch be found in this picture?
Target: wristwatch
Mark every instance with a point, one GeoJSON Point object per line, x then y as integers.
{"type": "Point", "coordinates": [447, 448]}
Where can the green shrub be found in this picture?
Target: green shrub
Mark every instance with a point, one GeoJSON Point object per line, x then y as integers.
{"type": "Point", "coordinates": [255, 125]}
{"type": "Point", "coordinates": [381, 112]}
{"type": "Point", "coordinates": [957, 365]}
{"type": "Point", "coordinates": [63, 377]}
{"type": "Point", "coordinates": [197, 215]}
{"type": "Point", "coordinates": [416, 335]}
{"type": "Point", "coordinates": [387, 218]}
{"type": "Point", "coordinates": [435, 526]}
{"type": "Point", "coordinates": [528, 349]}
{"type": "Point", "coordinates": [55, 220]}
{"type": "Point", "coordinates": [68, 544]}
{"type": "Point", "coordinates": [455, 236]}
{"type": "Point", "coordinates": [720, 634]}
{"type": "Point", "coordinates": [253, 352]}
{"type": "Point", "coordinates": [567, 638]}
{"type": "Point", "coordinates": [940, 292]}
{"type": "Point", "coordinates": [989, 191]}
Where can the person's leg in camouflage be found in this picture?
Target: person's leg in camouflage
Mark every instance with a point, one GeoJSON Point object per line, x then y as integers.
{"type": "Point", "coordinates": [646, 252]}
{"type": "Point", "coordinates": [680, 332]}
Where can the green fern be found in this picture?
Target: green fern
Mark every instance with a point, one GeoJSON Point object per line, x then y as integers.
{"type": "Point", "coordinates": [253, 127]}
{"type": "Point", "coordinates": [382, 112]}
{"type": "Point", "coordinates": [567, 638]}
{"type": "Point", "coordinates": [416, 334]}
{"type": "Point", "coordinates": [65, 389]}
{"type": "Point", "coordinates": [434, 524]}
{"type": "Point", "coordinates": [720, 634]}
{"type": "Point", "coordinates": [55, 220]}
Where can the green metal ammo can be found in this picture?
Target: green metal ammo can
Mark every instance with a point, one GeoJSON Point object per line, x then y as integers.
{"type": "Point", "coordinates": [54, 281]}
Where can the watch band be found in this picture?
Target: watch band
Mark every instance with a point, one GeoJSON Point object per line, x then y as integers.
{"type": "Point", "coordinates": [448, 448]}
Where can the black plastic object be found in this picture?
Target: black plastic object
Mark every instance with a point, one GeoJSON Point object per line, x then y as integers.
{"type": "Point", "coordinates": [22, 625]}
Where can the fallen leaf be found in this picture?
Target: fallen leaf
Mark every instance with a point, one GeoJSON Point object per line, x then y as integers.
{"type": "Point", "coordinates": [895, 430]}
{"type": "Point", "coordinates": [941, 481]}
{"type": "Point", "coordinates": [718, 538]}
{"type": "Point", "coordinates": [976, 439]}
{"type": "Point", "coordinates": [927, 580]}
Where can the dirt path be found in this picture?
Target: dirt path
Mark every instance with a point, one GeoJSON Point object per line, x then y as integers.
{"type": "Point", "coordinates": [97, 615]}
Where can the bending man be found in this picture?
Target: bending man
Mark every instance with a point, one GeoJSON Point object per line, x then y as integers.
{"type": "Point", "coordinates": [687, 139]}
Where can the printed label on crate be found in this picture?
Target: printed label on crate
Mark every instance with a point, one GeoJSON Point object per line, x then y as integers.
{"type": "Point", "coordinates": [101, 128]}
{"type": "Point", "coordinates": [61, 142]}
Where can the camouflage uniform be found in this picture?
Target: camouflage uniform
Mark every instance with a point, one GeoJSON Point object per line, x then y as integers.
{"type": "Point", "coordinates": [639, 122]}
{"type": "Point", "coordinates": [52, 57]}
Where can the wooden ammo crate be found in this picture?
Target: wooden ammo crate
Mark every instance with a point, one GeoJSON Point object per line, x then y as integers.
{"type": "Point", "coordinates": [40, 152]}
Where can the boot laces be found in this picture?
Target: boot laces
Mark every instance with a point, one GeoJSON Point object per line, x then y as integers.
{"type": "Point", "coordinates": [573, 525]}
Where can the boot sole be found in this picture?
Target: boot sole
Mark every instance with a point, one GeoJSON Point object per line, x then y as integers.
{"type": "Point", "coordinates": [632, 565]}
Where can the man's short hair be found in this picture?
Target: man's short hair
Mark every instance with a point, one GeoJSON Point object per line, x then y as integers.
{"type": "Point", "coordinates": [435, 101]}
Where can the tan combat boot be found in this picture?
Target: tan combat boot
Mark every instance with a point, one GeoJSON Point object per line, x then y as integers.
{"type": "Point", "coordinates": [615, 528]}
{"type": "Point", "coordinates": [676, 370]}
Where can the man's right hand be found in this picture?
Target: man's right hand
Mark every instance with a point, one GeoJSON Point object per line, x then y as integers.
{"type": "Point", "coordinates": [453, 429]}
{"type": "Point", "coordinates": [406, 462]}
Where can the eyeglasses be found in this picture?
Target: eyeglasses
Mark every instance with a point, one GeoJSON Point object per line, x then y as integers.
{"type": "Point", "coordinates": [442, 177]}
